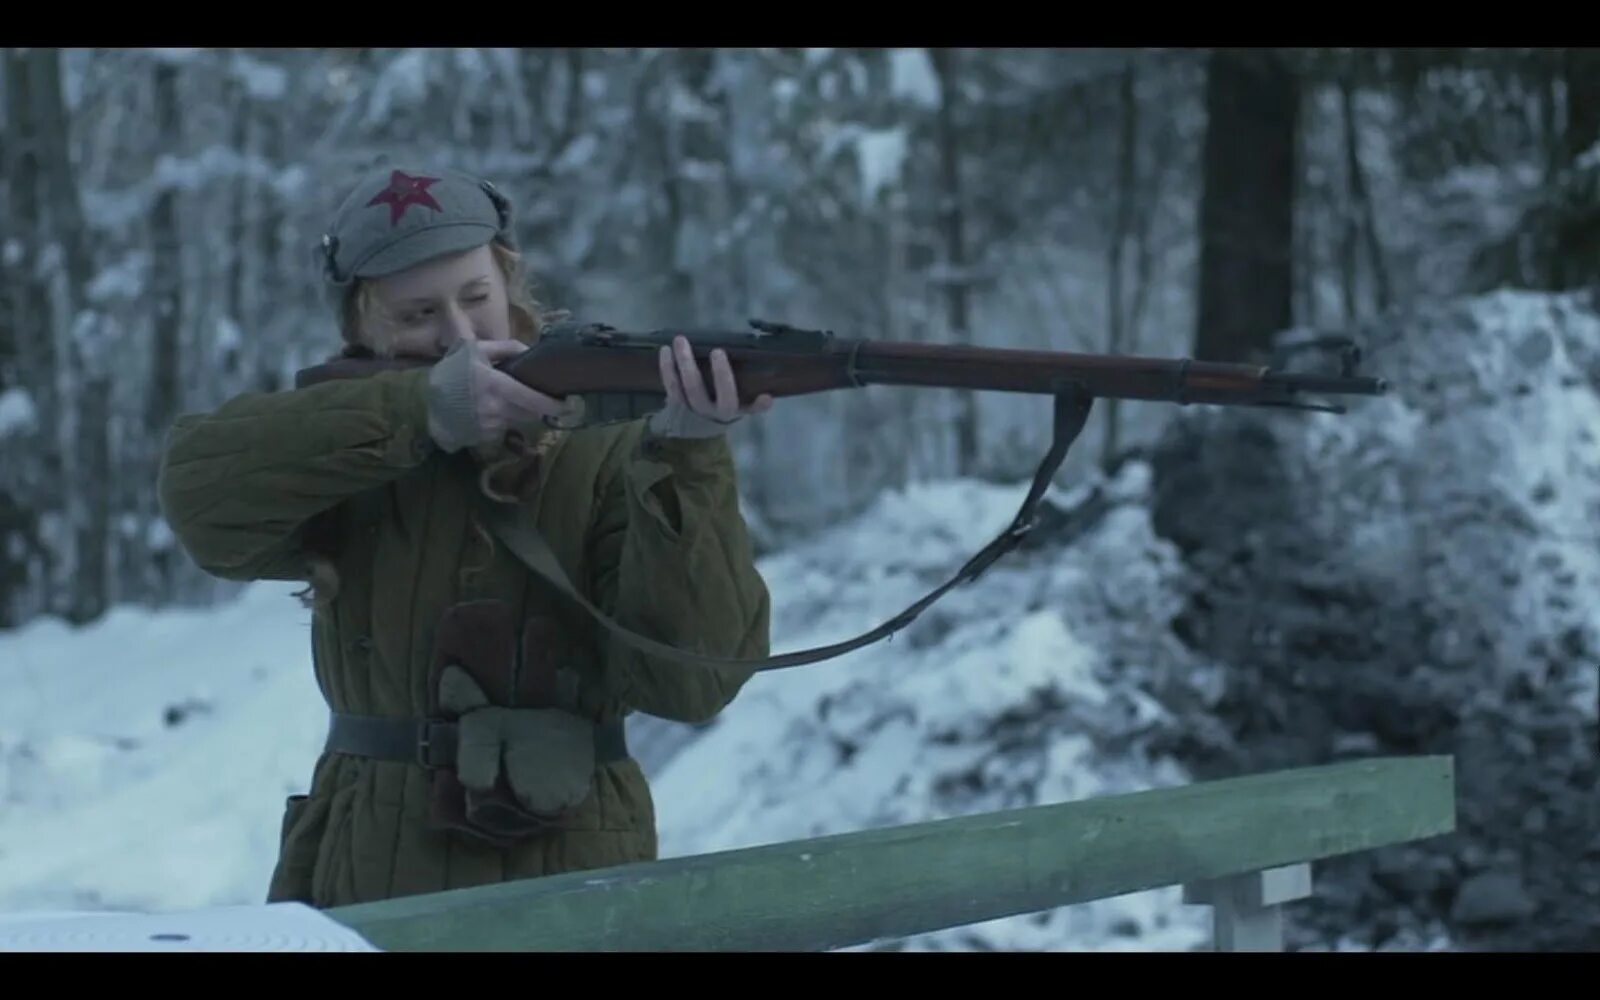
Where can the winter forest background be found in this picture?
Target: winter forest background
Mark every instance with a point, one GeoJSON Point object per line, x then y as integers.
{"type": "Point", "coordinates": [157, 255]}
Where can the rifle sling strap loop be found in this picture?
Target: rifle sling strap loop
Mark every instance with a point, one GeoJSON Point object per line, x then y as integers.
{"type": "Point", "coordinates": [1071, 413]}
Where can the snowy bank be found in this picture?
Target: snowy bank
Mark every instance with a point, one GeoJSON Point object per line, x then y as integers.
{"type": "Point", "coordinates": [1418, 576]}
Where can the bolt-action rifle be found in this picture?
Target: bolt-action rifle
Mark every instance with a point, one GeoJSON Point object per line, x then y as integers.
{"type": "Point", "coordinates": [607, 375]}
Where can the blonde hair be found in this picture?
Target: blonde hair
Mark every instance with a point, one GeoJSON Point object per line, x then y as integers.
{"type": "Point", "coordinates": [509, 466]}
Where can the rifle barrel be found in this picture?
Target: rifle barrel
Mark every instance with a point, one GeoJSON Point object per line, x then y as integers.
{"type": "Point", "coordinates": [1105, 375]}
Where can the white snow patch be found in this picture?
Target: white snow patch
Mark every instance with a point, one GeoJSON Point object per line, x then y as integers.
{"type": "Point", "coordinates": [912, 78]}
{"type": "Point", "coordinates": [18, 415]}
{"type": "Point", "coordinates": [881, 154]}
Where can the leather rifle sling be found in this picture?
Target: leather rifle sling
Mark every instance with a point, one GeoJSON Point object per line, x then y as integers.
{"type": "Point", "coordinates": [1071, 413]}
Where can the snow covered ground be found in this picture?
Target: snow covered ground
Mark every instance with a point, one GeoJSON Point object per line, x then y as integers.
{"type": "Point", "coordinates": [146, 758]}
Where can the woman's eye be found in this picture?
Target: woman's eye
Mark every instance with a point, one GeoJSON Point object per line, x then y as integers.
{"type": "Point", "coordinates": [475, 299]}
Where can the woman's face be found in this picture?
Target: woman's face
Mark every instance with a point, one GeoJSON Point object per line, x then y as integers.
{"type": "Point", "coordinates": [426, 309]}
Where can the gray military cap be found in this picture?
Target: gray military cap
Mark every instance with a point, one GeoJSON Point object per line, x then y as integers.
{"type": "Point", "coordinates": [396, 218]}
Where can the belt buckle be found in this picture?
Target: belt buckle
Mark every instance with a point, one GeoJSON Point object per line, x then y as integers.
{"type": "Point", "coordinates": [425, 744]}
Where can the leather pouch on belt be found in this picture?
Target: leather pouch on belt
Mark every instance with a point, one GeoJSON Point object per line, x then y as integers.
{"type": "Point", "coordinates": [522, 763]}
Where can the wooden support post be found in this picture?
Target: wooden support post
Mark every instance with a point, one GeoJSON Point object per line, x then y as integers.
{"type": "Point", "coordinates": [1247, 910]}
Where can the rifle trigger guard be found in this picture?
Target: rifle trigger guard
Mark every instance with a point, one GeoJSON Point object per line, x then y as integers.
{"type": "Point", "coordinates": [571, 417]}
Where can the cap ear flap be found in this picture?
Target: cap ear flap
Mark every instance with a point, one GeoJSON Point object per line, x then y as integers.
{"type": "Point", "coordinates": [502, 205]}
{"type": "Point", "coordinates": [330, 253]}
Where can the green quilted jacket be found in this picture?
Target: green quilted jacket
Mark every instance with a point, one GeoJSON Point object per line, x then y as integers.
{"type": "Point", "coordinates": [649, 529]}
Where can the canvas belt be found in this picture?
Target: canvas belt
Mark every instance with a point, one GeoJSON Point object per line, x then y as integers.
{"type": "Point", "coordinates": [432, 743]}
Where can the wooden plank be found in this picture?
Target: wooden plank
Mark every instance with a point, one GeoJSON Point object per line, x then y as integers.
{"type": "Point", "coordinates": [855, 888]}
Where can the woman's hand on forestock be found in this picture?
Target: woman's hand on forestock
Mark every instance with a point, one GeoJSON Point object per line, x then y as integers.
{"type": "Point", "coordinates": [690, 411]}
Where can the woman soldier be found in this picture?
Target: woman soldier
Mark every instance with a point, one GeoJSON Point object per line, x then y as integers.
{"type": "Point", "coordinates": [477, 717]}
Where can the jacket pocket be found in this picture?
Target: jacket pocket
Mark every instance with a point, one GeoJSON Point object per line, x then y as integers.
{"type": "Point", "coordinates": [304, 820]}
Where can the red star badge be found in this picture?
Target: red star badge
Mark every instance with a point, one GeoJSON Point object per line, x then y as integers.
{"type": "Point", "coordinates": [403, 191]}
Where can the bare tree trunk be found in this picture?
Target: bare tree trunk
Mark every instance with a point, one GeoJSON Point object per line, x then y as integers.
{"type": "Point", "coordinates": [676, 285]}
{"type": "Point", "coordinates": [1308, 195]}
{"type": "Point", "coordinates": [1363, 217]}
{"type": "Point", "coordinates": [909, 432]}
{"type": "Point", "coordinates": [1552, 135]}
{"type": "Point", "coordinates": [246, 210]}
{"type": "Point", "coordinates": [32, 472]}
{"type": "Point", "coordinates": [1121, 230]}
{"type": "Point", "coordinates": [1143, 270]}
{"type": "Point", "coordinates": [1583, 100]}
{"type": "Point", "coordinates": [1552, 138]}
{"type": "Point", "coordinates": [957, 289]}
{"type": "Point", "coordinates": [1349, 242]}
{"type": "Point", "coordinates": [1247, 205]}
{"type": "Point", "coordinates": [82, 432]}
{"type": "Point", "coordinates": [66, 210]}
{"type": "Point", "coordinates": [1161, 160]}
{"type": "Point", "coordinates": [268, 127]}
{"type": "Point", "coordinates": [167, 266]}
{"type": "Point", "coordinates": [572, 114]}
{"type": "Point", "coordinates": [1578, 238]}
{"type": "Point", "coordinates": [30, 325]}
{"type": "Point", "coordinates": [91, 592]}
{"type": "Point", "coordinates": [165, 399]}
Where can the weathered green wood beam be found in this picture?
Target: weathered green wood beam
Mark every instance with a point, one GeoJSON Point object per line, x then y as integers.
{"type": "Point", "coordinates": [854, 888]}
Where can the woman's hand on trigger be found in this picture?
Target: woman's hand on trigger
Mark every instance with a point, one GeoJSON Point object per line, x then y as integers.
{"type": "Point", "coordinates": [471, 402]}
